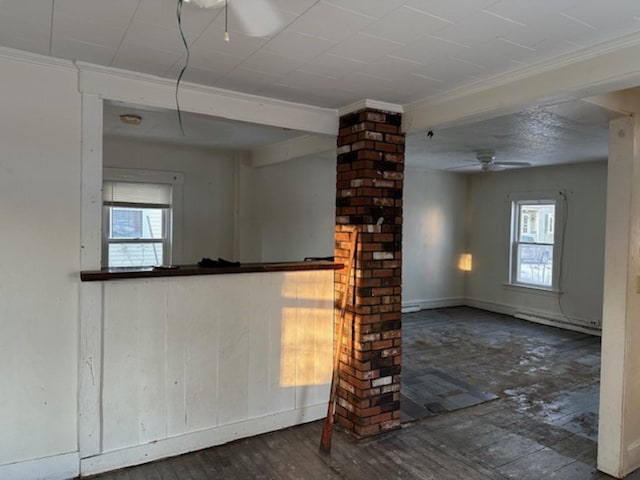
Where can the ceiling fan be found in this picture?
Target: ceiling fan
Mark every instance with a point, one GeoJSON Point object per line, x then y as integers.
{"type": "Point", "coordinates": [486, 160]}
{"type": "Point", "coordinates": [257, 18]}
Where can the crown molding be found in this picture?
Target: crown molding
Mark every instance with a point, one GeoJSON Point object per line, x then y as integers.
{"type": "Point", "coordinates": [36, 59]}
{"type": "Point", "coordinates": [368, 103]}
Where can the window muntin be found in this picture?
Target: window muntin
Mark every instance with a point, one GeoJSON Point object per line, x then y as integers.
{"type": "Point", "coordinates": [533, 241]}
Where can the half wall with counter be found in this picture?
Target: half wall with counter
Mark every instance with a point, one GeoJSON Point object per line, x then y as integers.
{"type": "Point", "coordinates": [174, 362]}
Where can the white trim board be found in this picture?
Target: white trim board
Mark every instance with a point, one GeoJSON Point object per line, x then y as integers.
{"type": "Point", "coordinates": [417, 305]}
{"type": "Point", "coordinates": [368, 103]}
{"type": "Point", "coordinates": [609, 66]}
{"type": "Point", "coordinates": [57, 467]}
{"type": "Point", "coordinates": [36, 59]}
{"type": "Point", "coordinates": [148, 90]}
{"type": "Point", "coordinates": [535, 316]}
{"type": "Point", "coordinates": [198, 440]}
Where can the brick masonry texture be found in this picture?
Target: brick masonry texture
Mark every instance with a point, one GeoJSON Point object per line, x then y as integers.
{"type": "Point", "coordinates": [370, 181]}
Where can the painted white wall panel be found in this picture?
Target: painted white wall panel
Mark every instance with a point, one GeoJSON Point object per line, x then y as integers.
{"type": "Point", "coordinates": [151, 385]}
{"type": "Point", "coordinates": [120, 353]}
{"type": "Point", "coordinates": [195, 354]}
{"type": "Point", "coordinates": [179, 301]}
{"type": "Point", "coordinates": [263, 347]}
{"type": "Point", "coordinates": [39, 260]}
{"type": "Point", "coordinates": [233, 347]}
{"type": "Point", "coordinates": [198, 314]}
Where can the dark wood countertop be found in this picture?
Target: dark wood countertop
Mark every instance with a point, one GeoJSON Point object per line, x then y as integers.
{"type": "Point", "coordinates": [190, 270]}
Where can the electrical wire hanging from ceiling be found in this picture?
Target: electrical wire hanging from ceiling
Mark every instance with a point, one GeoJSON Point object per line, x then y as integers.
{"type": "Point", "coordinates": [226, 20]}
{"type": "Point", "coordinates": [186, 47]}
{"type": "Point", "coordinates": [565, 219]}
{"type": "Point", "coordinates": [186, 63]}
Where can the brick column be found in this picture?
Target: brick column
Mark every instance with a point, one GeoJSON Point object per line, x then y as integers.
{"type": "Point", "coordinates": [369, 196]}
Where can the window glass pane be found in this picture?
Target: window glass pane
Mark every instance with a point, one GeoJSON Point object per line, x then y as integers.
{"type": "Point", "coordinates": [536, 222]}
{"type": "Point", "coordinates": [126, 223]}
{"type": "Point", "coordinates": [135, 254]}
{"type": "Point", "coordinates": [534, 264]}
{"type": "Point", "coordinates": [136, 222]}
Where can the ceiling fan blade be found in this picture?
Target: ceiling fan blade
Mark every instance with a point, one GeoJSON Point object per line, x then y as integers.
{"type": "Point", "coordinates": [469, 166]}
{"type": "Point", "coordinates": [513, 164]}
{"type": "Point", "coordinates": [207, 3]}
{"type": "Point", "coordinates": [258, 18]}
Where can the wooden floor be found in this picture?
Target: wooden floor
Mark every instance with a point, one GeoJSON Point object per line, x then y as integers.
{"type": "Point", "coordinates": [543, 425]}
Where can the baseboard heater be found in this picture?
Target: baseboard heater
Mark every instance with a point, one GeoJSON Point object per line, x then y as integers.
{"type": "Point", "coordinates": [554, 322]}
{"type": "Point", "coordinates": [412, 308]}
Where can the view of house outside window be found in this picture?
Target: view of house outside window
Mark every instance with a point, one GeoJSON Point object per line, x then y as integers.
{"type": "Point", "coordinates": [534, 242]}
{"type": "Point", "coordinates": [136, 236]}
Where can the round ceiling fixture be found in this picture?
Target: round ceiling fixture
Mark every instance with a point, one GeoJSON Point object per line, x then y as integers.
{"type": "Point", "coordinates": [130, 119]}
{"type": "Point", "coordinates": [207, 3]}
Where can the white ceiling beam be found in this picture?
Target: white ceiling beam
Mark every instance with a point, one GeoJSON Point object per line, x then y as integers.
{"type": "Point", "coordinates": [625, 102]}
{"type": "Point", "coordinates": [607, 67]}
{"type": "Point", "coordinates": [148, 90]}
{"type": "Point", "coordinates": [290, 149]}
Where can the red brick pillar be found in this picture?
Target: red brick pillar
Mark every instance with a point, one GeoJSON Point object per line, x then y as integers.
{"type": "Point", "coordinates": [369, 196]}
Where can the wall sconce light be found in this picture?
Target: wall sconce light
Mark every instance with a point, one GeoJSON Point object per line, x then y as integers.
{"type": "Point", "coordinates": [465, 263]}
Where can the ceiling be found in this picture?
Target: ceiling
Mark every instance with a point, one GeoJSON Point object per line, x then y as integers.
{"type": "Point", "coordinates": [328, 53]}
{"type": "Point", "coordinates": [199, 130]}
{"type": "Point", "coordinates": [331, 53]}
{"type": "Point", "coordinates": [568, 132]}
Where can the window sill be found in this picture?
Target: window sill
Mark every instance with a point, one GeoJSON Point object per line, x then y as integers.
{"type": "Point", "coordinates": [545, 291]}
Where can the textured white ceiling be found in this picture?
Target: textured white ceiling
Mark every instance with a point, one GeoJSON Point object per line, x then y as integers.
{"type": "Point", "coordinates": [568, 132]}
{"type": "Point", "coordinates": [329, 53]}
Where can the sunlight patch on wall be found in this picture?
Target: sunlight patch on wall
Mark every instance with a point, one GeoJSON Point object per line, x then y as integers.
{"type": "Point", "coordinates": [433, 226]}
{"type": "Point", "coordinates": [306, 346]}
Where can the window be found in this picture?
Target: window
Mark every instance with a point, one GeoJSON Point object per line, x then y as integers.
{"type": "Point", "coordinates": [533, 241]}
{"type": "Point", "coordinates": [138, 219]}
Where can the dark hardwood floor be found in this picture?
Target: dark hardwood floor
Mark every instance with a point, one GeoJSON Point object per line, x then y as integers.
{"type": "Point", "coordinates": [542, 425]}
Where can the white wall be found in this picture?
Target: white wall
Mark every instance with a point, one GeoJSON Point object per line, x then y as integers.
{"type": "Point", "coordinates": [489, 215]}
{"type": "Point", "coordinates": [198, 361]}
{"type": "Point", "coordinates": [293, 209]}
{"type": "Point", "coordinates": [435, 205]}
{"type": "Point", "coordinates": [208, 191]}
{"type": "Point", "coordinates": [39, 262]}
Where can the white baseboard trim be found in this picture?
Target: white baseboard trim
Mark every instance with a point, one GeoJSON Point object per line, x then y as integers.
{"type": "Point", "coordinates": [191, 442]}
{"type": "Point", "coordinates": [537, 316]}
{"type": "Point", "coordinates": [417, 305]}
{"type": "Point", "coordinates": [57, 467]}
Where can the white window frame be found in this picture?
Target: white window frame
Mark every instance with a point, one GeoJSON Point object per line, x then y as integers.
{"type": "Point", "coordinates": [546, 197]}
{"type": "Point", "coordinates": [172, 217]}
